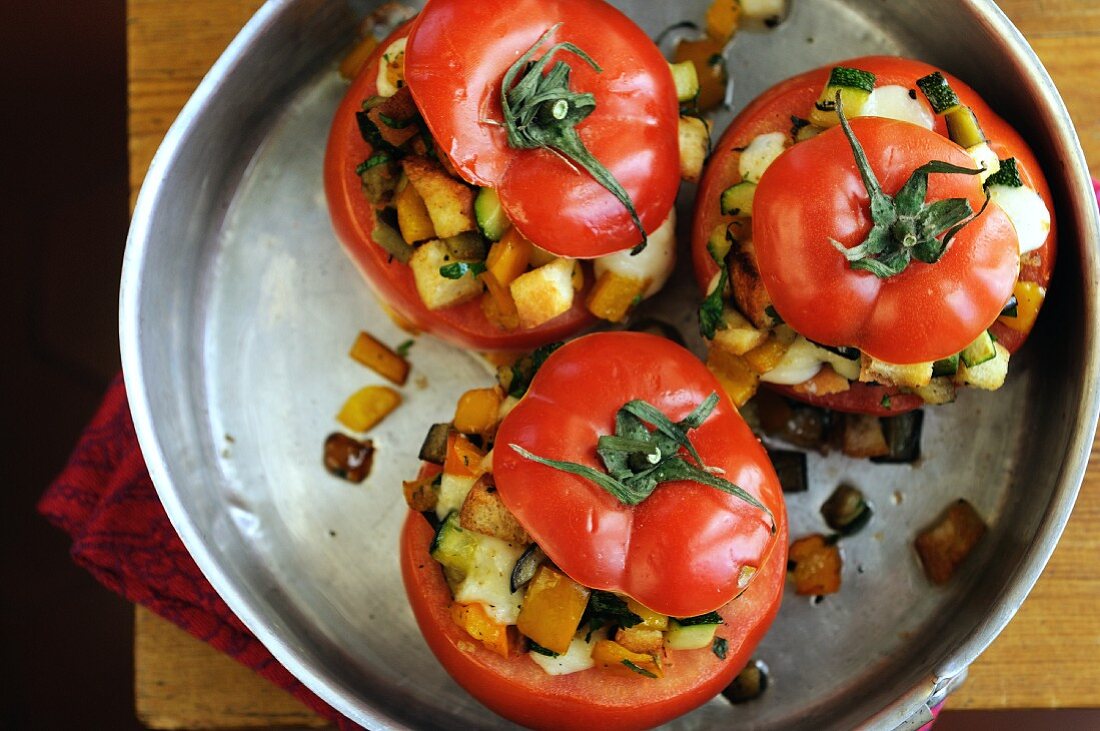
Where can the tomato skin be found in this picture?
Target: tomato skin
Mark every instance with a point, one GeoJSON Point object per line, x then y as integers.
{"type": "Point", "coordinates": [901, 319]}
{"type": "Point", "coordinates": [632, 132]}
{"type": "Point", "coordinates": [353, 220]}
{"type": "Point", "coordinates": [678, 552]}
{"type": "Point", "coordinates": [772, 111]}
{"type": "Point", "coordinates": [519, 690]}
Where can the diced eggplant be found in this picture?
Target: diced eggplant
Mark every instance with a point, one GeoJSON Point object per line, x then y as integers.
{"type": "Point", "coordinates": [790, 467]}
{"type": "Point", "coordinates": [434, 448]}
{"type": "Point", "coordinates": [902, 434]}
{"type": "Point", "coordinates": [749, 684]}
{"type": "Point", "coordinates": [846, 511]}
{"type": "Point", "coordinates": [525, 567]}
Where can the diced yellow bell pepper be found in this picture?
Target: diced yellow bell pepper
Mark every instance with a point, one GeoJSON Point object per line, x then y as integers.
{"type": "Point", "coordinates": [463, 458]}
{"type": "Point", "coordinates": [377, 356]}
{"type": "Point", "coordinates": [706, 54]}
{"type": "Point", "coordinates": [723, 17]}
{"type": "Point", "coordinates": [650, 618]}
{"type": "Point", "coordinates": [479, 625]}
{"type": "Point", "coordinates": [357, 56]}
{"type": "Point", "coordinates": [614, 295]}
{"type": "Point", "coordinates": [738, 379]}
{"type": "Point", "coordinates": [552, 609]}
{"type": "Point", "coordinates": [578, 276]}
{"type": "Point", "coordinates": [766, 356]}
{"type": "Point", "coordinates": [478, 410]}
{"type": "Point", "coordinates": [613, 658]}
{"type": "Point", "coordinates": [1029, 298]}
{"type": "Point", "coordinates": [412, 216]}
{"type": "Point", "coordinates": [367, 407]}
{"type": "Point", "coordinates": [497, 304]}
{"type": "Point", "coordinates": [509, 257]}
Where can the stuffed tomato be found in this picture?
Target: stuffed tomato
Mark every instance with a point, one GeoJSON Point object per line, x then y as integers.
{"type": "Point", "coordinates": [504, 172]}
{"type": "Point", "coordinates": [870, 237]}
{"type": "Point", "coordinates": [598, 544]}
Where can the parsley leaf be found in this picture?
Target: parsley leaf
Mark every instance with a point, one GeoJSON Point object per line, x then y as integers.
{"type": "Point", "coordinates": [523, 370]}
{"type": "Point", "coordinates": [459, 269]}
{"type": "Point", "coordinates": [720, 647]}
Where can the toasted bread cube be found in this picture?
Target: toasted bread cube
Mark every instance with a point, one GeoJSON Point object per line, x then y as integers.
{"type": "Point", "coordinates": [641, 639]}
{"type": "Point", "coordinates": [749, 293]}
{"type": "Point", "coordinates": [450, 202]}
{"type": "Point", "coordinates": [694, 145]}
{"type": "Point", "coordinates": [988, 376]}
{"type": "Point", "coordinates": [739, 336]}
{"type": "Point", "coordinates": [435, 290]}
{"type": "Point", "coordinates": [940, 390]}
{"type": "Point", "coordinates": [862, 436]}
{"type": "Point", "coordinates": [891, 374]}
{"type": "Point", "coordinates": [544, 293]}
{"type": "Point", "coordinates": [826, 382]}
{"type": "Point", "coordinates": [483, 512]}
{"type": "Point", "coordinates": [944, 546]}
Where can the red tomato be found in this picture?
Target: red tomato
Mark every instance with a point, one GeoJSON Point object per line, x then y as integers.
{"type": "Point", "coordinates": [681, 550]}
{"type": "Point", "coordinates": [813, 193]}
{"type": "Point", "coordinates": [832, 207]}
{"type": "Point", "coordinates": [457, 55]}
{"type": "Point", "coordinates": [392, 281]}
{"type": "Point", "coordinates": [518, 689]}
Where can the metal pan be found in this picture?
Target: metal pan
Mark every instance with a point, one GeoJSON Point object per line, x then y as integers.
{"type": "Point", "coordinates": [238, 307]}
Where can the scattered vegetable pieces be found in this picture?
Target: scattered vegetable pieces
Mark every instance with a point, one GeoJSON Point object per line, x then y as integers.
{"type": "Point", "coordinates": [846, 511]}
{"type": "Point", "coordinates": [348, 458]}
{"type": "Point", "coordinates": [377, 356]}
{"type": "Point", "coordinates": [367, 407]}
{"type": "Point", "coordinates": [749, 684]}
{"type": "Point", "coordinates": [944, 546]}
{"type": "Point", "coordinates": [814, 565]}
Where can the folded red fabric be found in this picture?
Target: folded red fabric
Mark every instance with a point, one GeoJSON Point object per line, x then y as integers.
{"type": "Point", "coordinates": [106, 502]}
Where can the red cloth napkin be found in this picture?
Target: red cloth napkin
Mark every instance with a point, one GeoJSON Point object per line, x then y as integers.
{"type": "Point", "coordinates": [106, 502]}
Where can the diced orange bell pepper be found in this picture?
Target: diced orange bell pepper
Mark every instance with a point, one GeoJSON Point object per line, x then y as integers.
{"type": "Point", "coordinates": [367, 407]}
{"type": "Point", "coordinates": [738, 380]}
{"type": "Point", "coordinates": [816, 566]}
{"type": "Point", "coordinates": [723, 17]}
{"type": "Point", "coordinates": [377, 356]}
{"type": "Point", "coordinates": [497, 304]}
{"type": "Point", "coordinates": [463, 458]}
{"type": "Point", "coordinates": [613, 658]}
{"type": "Point", "coordinates": [710, 67]}
{"type": "Point", "coordinates": [766, 356]}
{"type": "Point", "coordinates": [478, 410]}
{"type": "Point", "coordinates": [650, 618]}
{"type": "Point", "coordinates": [413, 219]}
{"type": "Point", "coordinates": [509, 257]}
{"type": "Point", "coordinates": [499, 638]}
{"type": "Point", "coordinates": [351, 63]}
{"type": "Point", "coordinates": [552, 609]}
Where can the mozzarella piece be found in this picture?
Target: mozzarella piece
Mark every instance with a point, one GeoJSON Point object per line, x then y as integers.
{"type": "Point", "coordinates": [986, 160]}
{"type": "Point", "coordinates": [800, 363]}
{"type": "Point", "coordinates": [895, 102]}
{"type": "Point", "coordinates": [1028, 213]}
{"type": "Point", "coordinates": [452, 493]}
{"type": "Point", "coordinates": [578, 657]}
{"type": "Point", "coordinates": [654, 263]}
{"type": "Point", "coordinates": [760, 153]}
{"type": "Point", "coordinates": [386, 87]}
{"type": "Point", "coordinates": [490, 577]}
{"type": "Point", "coordinates": [763, 9]}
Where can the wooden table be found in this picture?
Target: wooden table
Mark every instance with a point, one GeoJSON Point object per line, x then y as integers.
{"type": "Point", "coordinates": [1048, 657]}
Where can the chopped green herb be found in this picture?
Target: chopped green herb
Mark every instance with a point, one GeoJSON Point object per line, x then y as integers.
{"type": "Point", "coordinates": [638, 670]}
{"type": "Point", "coordinates": [537, 648]}
{"type": "Point", "coordinates": [1008, 175]}
{"type": "Point", "coordinates": [708, 618]}
{"type": "Point", "coordinates": [523, 370]}
{"type": "Point", "coordinates": [394, 123]}
{"type": "Point", "coordinates": [404, 348]}
{"type": "Point", "coordinates": [720, 647]}
{"type": "Point", "coordinates": [605, 608]}
{"type": "Point", "coordinates": [378, 158]}
{"type": "Point", "coordinates": [459, 269]}
{"type": "Point", "coordinates": [885, 402]}
{"type": "Point", "coordinates": [711, 318]}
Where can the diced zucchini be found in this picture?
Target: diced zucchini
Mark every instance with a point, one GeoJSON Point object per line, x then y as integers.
{"type": "Point", "coordinates": [690, 636]}
{"type": "Point", "coordinates": [846, 511]}
{"type": "Point", "coordinates": [853, 85]}
{"type": "Point", "coordinates": [761, 151]}
{"type": "Point", "coordinates": [453, 546]}
{"type": "Point", "coordinates": [686, 79]}
{"type": "Point", "coordinates": [979, 351]}
{"type": "Point", "coordinates": [490, 215]}
{"type": "Point", "coordinates": [902, 434]}
{"type": "Point", "coordinates": [938, 92]}
{"type": "Point", "coordinates": [989, 375]}
{"type": "Point", "coordinates": [945, 366]}
{"type": "Point", "coordinates": [719, 244]}
{"type": "Point", "coordinates": [737, 199]}
{"type": "Point", "coordinates": [468, 246]}
{"type": "Point", "coordinates": [387, 237]}
{"type": "Point", "coordinates": [1008, 175]}
{"type": "Point", "coordinates": [963, 127]}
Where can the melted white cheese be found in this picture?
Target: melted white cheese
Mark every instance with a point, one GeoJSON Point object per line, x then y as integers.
{"type": "Point", "coordinates": [578, 657]}
{"type": "Point", "coordinates": [895, 102]}
{"type": "Point", "coordinates": [452, 493]}
{"type": "Point", "coordinates": [489, 579]}
{"type": "Point", "coordinates": [654, 263]}
{"type": "Point", "coordinates": [803, 360]}
{"type": "Point", "coordinates": [1028, 213]}
{"type": "Point", "coordinates": [761, 153]}
{"type": "Point", "coordinates": [385, 86]}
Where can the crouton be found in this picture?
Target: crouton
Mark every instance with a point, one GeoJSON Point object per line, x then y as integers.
{"type": "Point", "coordinates": [437, 291]}
{"type": "Point", "coordinates": [544, 293]}
{"type": "Point", "coordinates": [450, 202]}
{"type": "Point", "coordinates": [483, 512]}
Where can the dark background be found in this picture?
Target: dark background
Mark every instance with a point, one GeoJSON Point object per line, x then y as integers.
{"type": "Point", "coordinates": [66, 642]}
